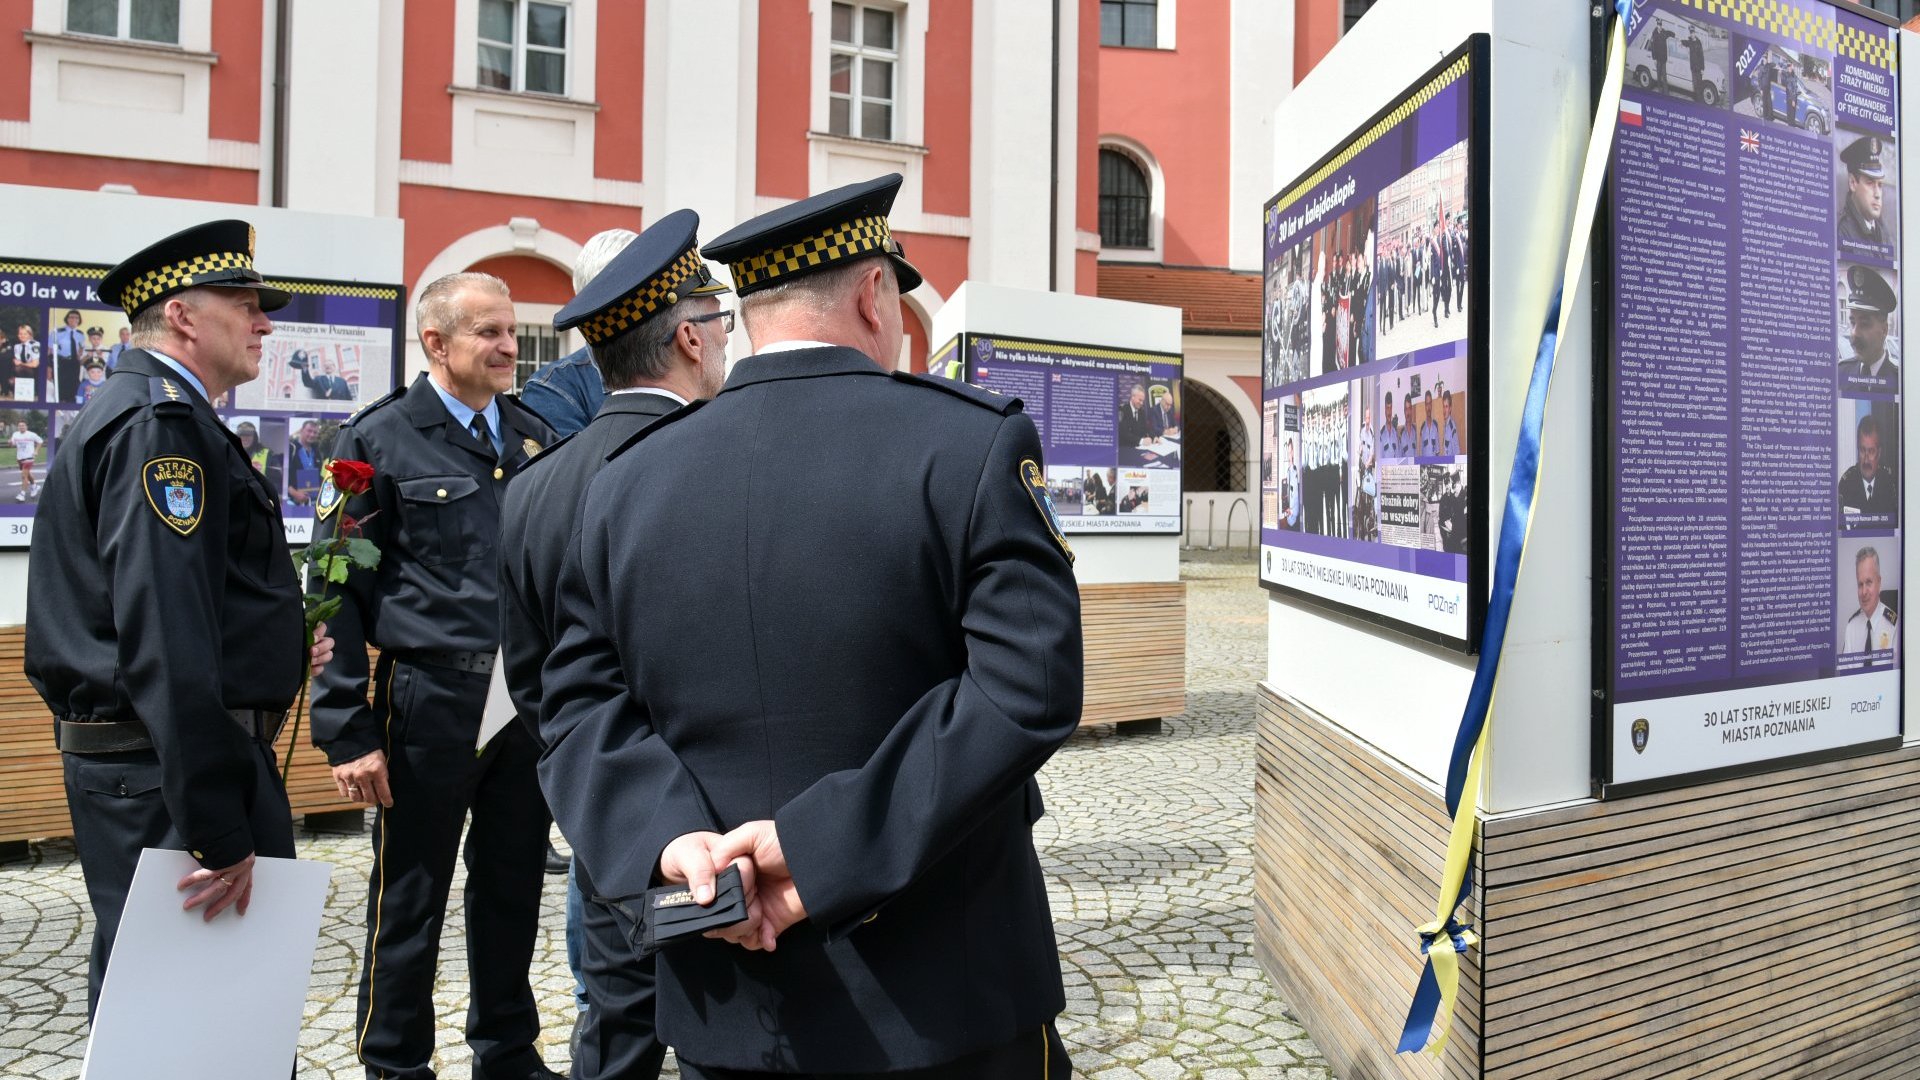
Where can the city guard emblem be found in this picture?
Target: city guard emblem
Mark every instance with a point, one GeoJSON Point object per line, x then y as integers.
{"type": "Point", "coordinates": [1640, 731]}
{"type": "Point", "coordinates": [329, 498]}
{"type": "Point", "coordinates": [1035, 482]}
{"type": "Point", "coordinates": [176, 489]}
{"type": "Point", "coordinates": [532, 448]}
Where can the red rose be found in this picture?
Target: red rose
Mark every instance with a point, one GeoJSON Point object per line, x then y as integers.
{"type": "Point", "coordinates": [350, 477]}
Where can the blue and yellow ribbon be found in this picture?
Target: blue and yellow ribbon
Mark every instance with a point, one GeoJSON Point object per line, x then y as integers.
{"type": "Point", "coordinates": [1446, 939]}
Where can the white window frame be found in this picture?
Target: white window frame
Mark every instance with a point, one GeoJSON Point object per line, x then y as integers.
{"type": "Point", "coordinates": [859, 54]}
{"type": "Point", "coordinates": [1156, 202]}
{"type": "Point", "coordinates": [124, 31]}
{"type": "Point", "coordinates": [1165, 17]}
{"type": "Point", "coordinates": [520, 46]}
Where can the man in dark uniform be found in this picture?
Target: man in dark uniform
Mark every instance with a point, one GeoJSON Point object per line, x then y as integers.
{"type": "Point", "coordinates": [442, 451]}
{"type": "Point", "coordinates": [1697, 64]}
{"type": "Point", "coordinates": [667, 349]}
{"type": "Point", "coordinates": [1768, 74]}
{"type": "Point", "coordinates": [855, 652]}
{"type": "Point", "coordinates": [1663, 36]}
{"type": "Point", "coordinates": [326, 385]}
{"type": "Point", "coordinates": [1868, 486]}
{"type": "Point", "coordinates": [164, 625]}
{"type": "Point", "coordinates": [1860, 212]}
{"type": "Point", "coordinates": [1870, 303]}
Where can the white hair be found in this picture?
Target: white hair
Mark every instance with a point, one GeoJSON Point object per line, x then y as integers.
{"type": "Point", "coordinates": [597, 253]}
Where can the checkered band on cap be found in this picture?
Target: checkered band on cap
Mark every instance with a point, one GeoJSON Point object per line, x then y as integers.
{"type": "Point", "coordinates": [657, 292]}
{"type": "Point", "coordinates": [172, 278]}
{"type": "Point", "coordinates": [861, 236]}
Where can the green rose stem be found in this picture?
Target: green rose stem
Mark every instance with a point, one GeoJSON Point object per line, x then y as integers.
{"type": "Point", "coordinates": [331, 561]}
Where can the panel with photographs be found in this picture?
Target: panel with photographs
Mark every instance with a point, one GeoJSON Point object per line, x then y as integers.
{"type": "Point", "coordinates": [335, 348]}
{"type": "Point", "coordinates": [1373, 360]}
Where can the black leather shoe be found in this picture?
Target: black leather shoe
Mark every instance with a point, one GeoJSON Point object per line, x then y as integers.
{"type": "Point", "coordinates": [556, 862]}
{"type": "Point", "coordinates": [527, 1066]}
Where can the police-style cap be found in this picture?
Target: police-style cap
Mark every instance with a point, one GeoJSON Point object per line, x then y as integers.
{"type": "Point", "coordinates": [217, 253]}
{"type": "Point", "coordinates": [1864, 157]}
{"type": "Point", "coordinates": [816, 233]}
{"type": "Point", "coordinates": [655, 271]}
{"type": "Point", "coordinates": [1868, 291]}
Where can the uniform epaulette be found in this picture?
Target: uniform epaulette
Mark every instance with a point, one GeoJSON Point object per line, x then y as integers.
{"type": "Point", "coordinates": [167, 394]}
{"type": "Point", "coordinates": [986, 399]}
{"type": "Point", "coordinates": [396, 394]}
{"type": "Point", "coordinates": [673, 417]}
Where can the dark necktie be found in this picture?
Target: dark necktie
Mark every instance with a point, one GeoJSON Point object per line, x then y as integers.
{"type": "Point", "coordinates": [481, 435]}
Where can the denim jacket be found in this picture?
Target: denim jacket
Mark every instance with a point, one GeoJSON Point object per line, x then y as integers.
{"type": "Point", "coordinates": [566, 393]}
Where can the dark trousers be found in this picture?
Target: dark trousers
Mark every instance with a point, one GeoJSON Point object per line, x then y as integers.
{"type": "Point", "coordinates": [432, 722]}
{"type": "Point", "coordinates": [118, 810]}
{"type": "Point", "coordinates": [617, 1041]}
{"type": "Point", "coordinates": [1037, 1054]}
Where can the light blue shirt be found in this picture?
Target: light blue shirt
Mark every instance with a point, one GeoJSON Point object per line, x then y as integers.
{"type": "Point", "coordinates": [463, 415]}
{"type": "Point", "coordinates": [181, 370]}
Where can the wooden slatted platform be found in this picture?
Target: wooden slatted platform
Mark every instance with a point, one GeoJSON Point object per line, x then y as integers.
{"type": "Point", "coordinates": [1136, 670]}
{"type": "Point", "coordinates": [33, 801]}
{"type": "Point", "coordinates": [1136, 651]}
{"type": "Point", "coordinates": [1348, 849]}
{"type": "Point", "coordinates": [1745, 929]}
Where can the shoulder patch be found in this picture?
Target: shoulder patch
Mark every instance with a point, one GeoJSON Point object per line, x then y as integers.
{"type": "Point", "coordinates": [673, 417]}
{"type": "Point", "coordinates": [1035, 481]}
{"type": "Point", "coordinates": [329, 500]}
{"type": "Point", "coordinates": [396, 394]}
{"type": "Point", "coordinates": [986, 399]}
{"type": "Point", "coordinates": [176, 489]}
{"type": "Point", "coordinates": [166, 392]}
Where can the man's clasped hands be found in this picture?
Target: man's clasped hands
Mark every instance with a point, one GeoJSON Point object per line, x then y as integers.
{"type": "Point", "coordinates": [773, 903]}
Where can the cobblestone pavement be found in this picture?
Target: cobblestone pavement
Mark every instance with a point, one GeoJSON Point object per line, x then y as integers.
{"type": "Point", "coordinates": [1146, 845]}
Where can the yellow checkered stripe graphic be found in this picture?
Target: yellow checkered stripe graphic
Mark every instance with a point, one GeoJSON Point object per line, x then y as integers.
{"type": "Point", "coordinates": [1814, 28]}
{"type": "Point", "coordinates": [658, 292]}
{"type": "Point", "coordinates": [60, 271]}
{"type": "Point", "coordinates": [1089, 351]}
{"type": "Point", "coordinates": [860, 236]}
{"type": "Point", "coordinates": [179, 275]}
{"type": "Point", "coordinates": [1372, 135]}
{"type": "Point", "coordinates": [358, 292]}
{"type": "Point", "coordinates": [1871, 47]}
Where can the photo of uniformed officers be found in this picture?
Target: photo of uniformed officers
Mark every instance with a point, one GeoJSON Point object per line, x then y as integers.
{"type": "Point", "coordinates": [1867, 193]}
{"type": "Point", "coordinates": [899, 631]}
{"type": "Point", "coordinates": [164, 624]}
{"type": "Point", "coordinates": [655, 329]}
{"type": "Point", "coordinates": [1870, 486]}
{"type": "Point", "coordinates": [1870, 597]}
{"type": "Point", "coordinates": [1871, 349]}
{"type": "Point", "coordinates": [442, 450]}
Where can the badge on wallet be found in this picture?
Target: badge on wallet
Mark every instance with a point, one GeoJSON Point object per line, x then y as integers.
{"type": "Point", "coordinates": [669, 914]}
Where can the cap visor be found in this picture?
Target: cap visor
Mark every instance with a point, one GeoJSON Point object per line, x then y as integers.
{"type": "Point", "coordinates": [902, 269]}
{"type": "Point", "coordinates": [711, 288]}
{"type": "Point", "coordinates": [271, 299]}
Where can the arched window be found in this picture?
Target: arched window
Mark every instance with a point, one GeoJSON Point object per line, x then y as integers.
{"type": "Point", "coordinates": [1126, 202]}
{"type": "Point", "coordinates": [1214, 447]}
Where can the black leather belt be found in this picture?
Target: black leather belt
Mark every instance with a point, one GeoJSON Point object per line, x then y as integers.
{"type": "Point", "coordinates": [87, 735]}
{"type": "Point", "coordinates": [480, 663]}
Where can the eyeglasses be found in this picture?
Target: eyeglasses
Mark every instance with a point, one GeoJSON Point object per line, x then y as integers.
{"type": "Point", "coordinates": [725, 315]}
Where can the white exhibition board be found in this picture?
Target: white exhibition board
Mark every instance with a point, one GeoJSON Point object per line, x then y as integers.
{"type": "Point", "coordinates": [185, 999]}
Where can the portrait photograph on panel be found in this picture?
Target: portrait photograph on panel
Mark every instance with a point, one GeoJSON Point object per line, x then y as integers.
{"type": "Point", "coordinates": [1866, 195]}
{"type": "Point", "coordinates": [1867, 602]}
{"type": "Point", "coordinates": [1867, 432]}
{"type": "Point", "coordinates": [1869, 345]}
